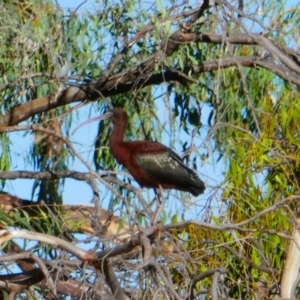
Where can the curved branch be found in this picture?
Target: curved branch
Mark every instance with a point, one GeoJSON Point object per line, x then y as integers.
{"type": "Point", "coordinates": [249, 61]}
{"type": "Point", "coordinates": [7, 235]}
{"type": "Point", "coordinates": [201, 277]}
{"type": "Point", "coordinates": [195, 14]}
{"type": "Point", "coordinates": [133, 79]}
{"type": "Point", "coordinates": [113, 282]}
{"type": "Point", "coordinates": [270, 46]}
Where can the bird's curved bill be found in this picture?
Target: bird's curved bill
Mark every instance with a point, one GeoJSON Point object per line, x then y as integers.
{"type": "Point", "coordinates": [105, 116]}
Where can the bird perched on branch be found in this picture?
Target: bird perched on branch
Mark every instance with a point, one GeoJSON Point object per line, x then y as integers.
{"type": "Point", "coordinates": [151, 164]}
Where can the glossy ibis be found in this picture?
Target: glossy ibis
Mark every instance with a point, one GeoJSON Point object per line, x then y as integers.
{"type": "Point", "coordinates": [151, 164]}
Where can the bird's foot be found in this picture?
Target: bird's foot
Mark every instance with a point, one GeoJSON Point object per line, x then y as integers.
{"type": "Point", "coordinates": [160, 205]}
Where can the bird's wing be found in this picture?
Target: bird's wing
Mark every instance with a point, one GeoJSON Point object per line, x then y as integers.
{"type": "Point", "coordinates": [163, 164]}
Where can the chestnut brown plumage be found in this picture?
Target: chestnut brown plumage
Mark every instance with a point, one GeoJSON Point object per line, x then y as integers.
{"type": "Point", "coordinates": [150, 163]}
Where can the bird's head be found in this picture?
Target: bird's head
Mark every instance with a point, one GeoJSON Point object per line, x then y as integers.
{"type": "Point", "coordinates": [116, 115]}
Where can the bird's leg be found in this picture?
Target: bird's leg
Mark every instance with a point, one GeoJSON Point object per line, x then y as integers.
{"type": "Point", "coordinates": [160, 204]}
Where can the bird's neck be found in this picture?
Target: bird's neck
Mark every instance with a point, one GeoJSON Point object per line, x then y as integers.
{"type": "Point", "coordinates": [115, 142]}
{"type": "Point", "coordinates": [117, 134]}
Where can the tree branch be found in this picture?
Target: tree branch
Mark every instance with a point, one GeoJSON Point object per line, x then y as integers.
{"type": "Point", "coordinates": [113, 282]}
{"type": "Point", "coordinates": [7, 235]}
{"type": "Point", "coordinates": [133, 79]}
{"type": "Point", "coordinates": [201, 277]}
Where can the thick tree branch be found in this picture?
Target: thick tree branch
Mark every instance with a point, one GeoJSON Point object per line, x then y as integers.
{"type": "Point", "coordinates": [270, 46]}
{"type": "Point", "coordinates": [133, 79]}
{"type": "Point", "coordinates": [195, 14]}
{"type": "Point", "coordinates": [7, 235]}
{"type": "Point", "coordinates": [46, 175]}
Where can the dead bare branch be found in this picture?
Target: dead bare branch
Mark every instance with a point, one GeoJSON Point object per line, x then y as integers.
{"type": "Point", "coordinates": [146, 247]}
{"type": "Point", "coordinates": [7, 235]}
{"type": "Point", "coordinates": [201, 277]}
{"type": "Point", "coordinates": [113, 281]}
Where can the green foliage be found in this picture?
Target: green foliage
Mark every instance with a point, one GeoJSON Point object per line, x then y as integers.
{"type": "Point", "coordinates": [262, 170]}
{"type": "Point", "coordinates": [5, 159]}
